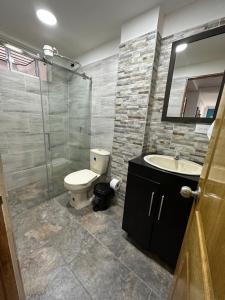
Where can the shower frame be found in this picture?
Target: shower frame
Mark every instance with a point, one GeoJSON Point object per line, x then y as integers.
{"type": "Point", "coordinates": [36, 59]}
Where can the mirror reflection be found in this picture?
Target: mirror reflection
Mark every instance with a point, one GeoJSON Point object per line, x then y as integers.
{"type": "Point", "coordinates": [197, 77]}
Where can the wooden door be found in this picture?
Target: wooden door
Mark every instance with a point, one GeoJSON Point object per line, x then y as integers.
{"type": "Point", "coordinates": [139, 209]}
{"type": "Point", "coordinates": [11, 287]}
{"type": "Point", "coordinates": [200, 272]}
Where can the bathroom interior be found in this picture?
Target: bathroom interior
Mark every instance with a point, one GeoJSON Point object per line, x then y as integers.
{"type": "Point", "coordinates": [107, 118]}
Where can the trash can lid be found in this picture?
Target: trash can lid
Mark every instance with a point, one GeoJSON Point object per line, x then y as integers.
{"type": "Point", "coordinates": [102, 188]}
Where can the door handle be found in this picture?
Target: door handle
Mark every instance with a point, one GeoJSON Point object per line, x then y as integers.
{"type": "Point", "coordinates": [151, 202]}
{"type": "Point", "coordinates": [160, 208]}
{"type": "Point", "coordinates": [187, 192]}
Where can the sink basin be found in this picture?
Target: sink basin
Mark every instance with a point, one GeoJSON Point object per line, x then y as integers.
{"type": "Point", "coordinates": [168, 163]}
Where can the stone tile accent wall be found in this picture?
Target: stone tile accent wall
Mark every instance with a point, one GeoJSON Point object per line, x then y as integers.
{"type": "Point", "coordinates": [104, 80]}
{"type": "Point", "coordinates": [152, 92]}
{"type": "Point", "coordinates": [166, 137]}
{"type": "Point", "coordinates": [142, 76]}
{"type": "Point", "coordinates": [135, 70]}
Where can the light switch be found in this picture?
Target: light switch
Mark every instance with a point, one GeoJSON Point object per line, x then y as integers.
{"type": "Point", "coordinates": [202, 128]}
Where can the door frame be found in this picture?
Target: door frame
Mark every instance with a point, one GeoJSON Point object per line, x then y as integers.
{"type": "Point", "coordinates": [11, 285]}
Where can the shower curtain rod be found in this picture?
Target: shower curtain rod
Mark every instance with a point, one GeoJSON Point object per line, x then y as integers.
{"type": "Point", "coordinates": [39, 56]}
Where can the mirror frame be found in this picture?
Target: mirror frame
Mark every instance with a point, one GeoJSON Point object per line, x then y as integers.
{"type": "Point", "coordinates": [188, 40]}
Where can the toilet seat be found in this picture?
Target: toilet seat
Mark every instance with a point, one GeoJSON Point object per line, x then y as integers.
{"type": "Point", "coordinates": [79, 179]}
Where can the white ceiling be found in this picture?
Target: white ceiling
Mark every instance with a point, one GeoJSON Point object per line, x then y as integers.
{"type": "Point", "coordinates": [82, 25]}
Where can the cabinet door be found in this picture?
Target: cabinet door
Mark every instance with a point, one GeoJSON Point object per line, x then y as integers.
{"type": "Point", "coordinates": [140, 204]}
{"type": "Point", "coordinates": [170, 224]}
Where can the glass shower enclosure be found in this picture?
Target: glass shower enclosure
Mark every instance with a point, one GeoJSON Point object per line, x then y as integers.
{"type": "Point", "coordinates": [44, 128]}
{"type": "Point", "coordinates": [68, 125]}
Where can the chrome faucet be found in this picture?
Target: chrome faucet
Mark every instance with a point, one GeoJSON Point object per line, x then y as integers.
{"type": "Point", "coordinates": [177, 155]}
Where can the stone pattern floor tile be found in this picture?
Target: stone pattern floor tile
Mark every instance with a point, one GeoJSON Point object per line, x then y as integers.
{"type": "Point", "coordinates": [61, 284]}
{"type": "Point", "coordinates": [154, 296]}
{"type": "Point", "coordinates": [147, 269]}
{"type": "Point", "coordinates": [79, 255]}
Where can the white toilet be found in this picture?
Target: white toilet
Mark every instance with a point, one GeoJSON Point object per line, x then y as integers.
{"type": "Point", "coordinates": [79, 183]}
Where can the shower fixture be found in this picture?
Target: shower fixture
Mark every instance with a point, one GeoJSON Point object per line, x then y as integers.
{"type": "Point", "coordinates": [45, 56]}
{"type": "Point", "coordinates": [50, 52]}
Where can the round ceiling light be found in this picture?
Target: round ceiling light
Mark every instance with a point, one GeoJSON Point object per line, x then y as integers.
{"type": "Point", "coordinates": [46, 17]}
{"type": "Point", "coordinates": [181, 47]}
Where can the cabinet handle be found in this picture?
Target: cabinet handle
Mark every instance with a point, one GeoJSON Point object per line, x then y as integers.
{"type": "Point", "coordinates": [160, 208]}
{"type": "Point", "coordinates": [150, 206]}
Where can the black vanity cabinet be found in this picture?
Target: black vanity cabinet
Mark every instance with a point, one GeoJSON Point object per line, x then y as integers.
{"type": "Point", "coordinates": [139, 218]}
{"type": "Point", "coordinates": [155, 214]}
{"type": "Point", "coordinates": [170, 222]}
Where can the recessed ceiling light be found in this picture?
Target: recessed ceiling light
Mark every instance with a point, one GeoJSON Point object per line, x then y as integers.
{"type": "Point", "coordinates": [181, 47]}
{"type": "Point", "coordinates": [13, 48]}
{"type": "Point", "coordinates": [46, 17]}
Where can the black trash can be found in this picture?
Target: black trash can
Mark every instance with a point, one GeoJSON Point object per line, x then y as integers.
{"type": "Point", "coordinates": [103, 196]}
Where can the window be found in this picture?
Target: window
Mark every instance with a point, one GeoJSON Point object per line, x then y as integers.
{"type": "Point", "coordinates": [22, 63]}
{"type": "Point", "coordinates": [17, 62]}
{"type": "Point", "coordinates": [3, 59]}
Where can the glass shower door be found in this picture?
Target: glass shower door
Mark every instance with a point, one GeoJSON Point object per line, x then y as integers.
{"type": "Point", "coordinates": [22, 146]}
{"type": "Point", "coordinates": [44, 130]}
{"type": "Point", "coordinates": [57, 130]}
{"type": "Point", "coordinates": [69, 125]}
{"type": "Point", "coordinates": [79, 122]}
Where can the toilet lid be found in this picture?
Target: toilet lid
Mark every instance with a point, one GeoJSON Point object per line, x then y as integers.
{"type": "Point", "coordinates": [81, 177]}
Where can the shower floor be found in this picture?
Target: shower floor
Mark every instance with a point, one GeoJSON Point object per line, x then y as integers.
{"type": "Point", "coordinates": [68, 255]}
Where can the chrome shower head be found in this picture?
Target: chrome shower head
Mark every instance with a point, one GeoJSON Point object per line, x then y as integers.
{"type": "Point", "coordinates": [48, 51]}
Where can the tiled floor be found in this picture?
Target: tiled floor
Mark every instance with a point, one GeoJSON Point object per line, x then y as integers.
{"type": "Point", "coordinates": [67, 255]}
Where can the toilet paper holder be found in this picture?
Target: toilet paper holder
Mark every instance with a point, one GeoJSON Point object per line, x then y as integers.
{"type": "Point", "coordinates": [115, 184]}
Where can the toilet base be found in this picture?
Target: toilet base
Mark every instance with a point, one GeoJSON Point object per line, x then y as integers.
{"type": "Point", "coordinates": [80, 200]}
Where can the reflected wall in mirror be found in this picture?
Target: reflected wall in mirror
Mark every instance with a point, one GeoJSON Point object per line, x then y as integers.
{"type": "Point", "coordinates": [195, 78]}
{"type": "Point", "coordinates": [198, 98]}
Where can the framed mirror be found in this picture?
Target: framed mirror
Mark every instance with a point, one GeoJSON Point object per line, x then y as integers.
{"type": "Point", "coordinates": [195, 78]}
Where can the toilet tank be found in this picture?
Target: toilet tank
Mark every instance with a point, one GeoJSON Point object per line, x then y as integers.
{"type": "Point", "coordinates": [99, 160]}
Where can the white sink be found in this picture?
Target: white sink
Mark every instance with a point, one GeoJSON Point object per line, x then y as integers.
{"type": "Point", "coordinates": [169, 163]}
